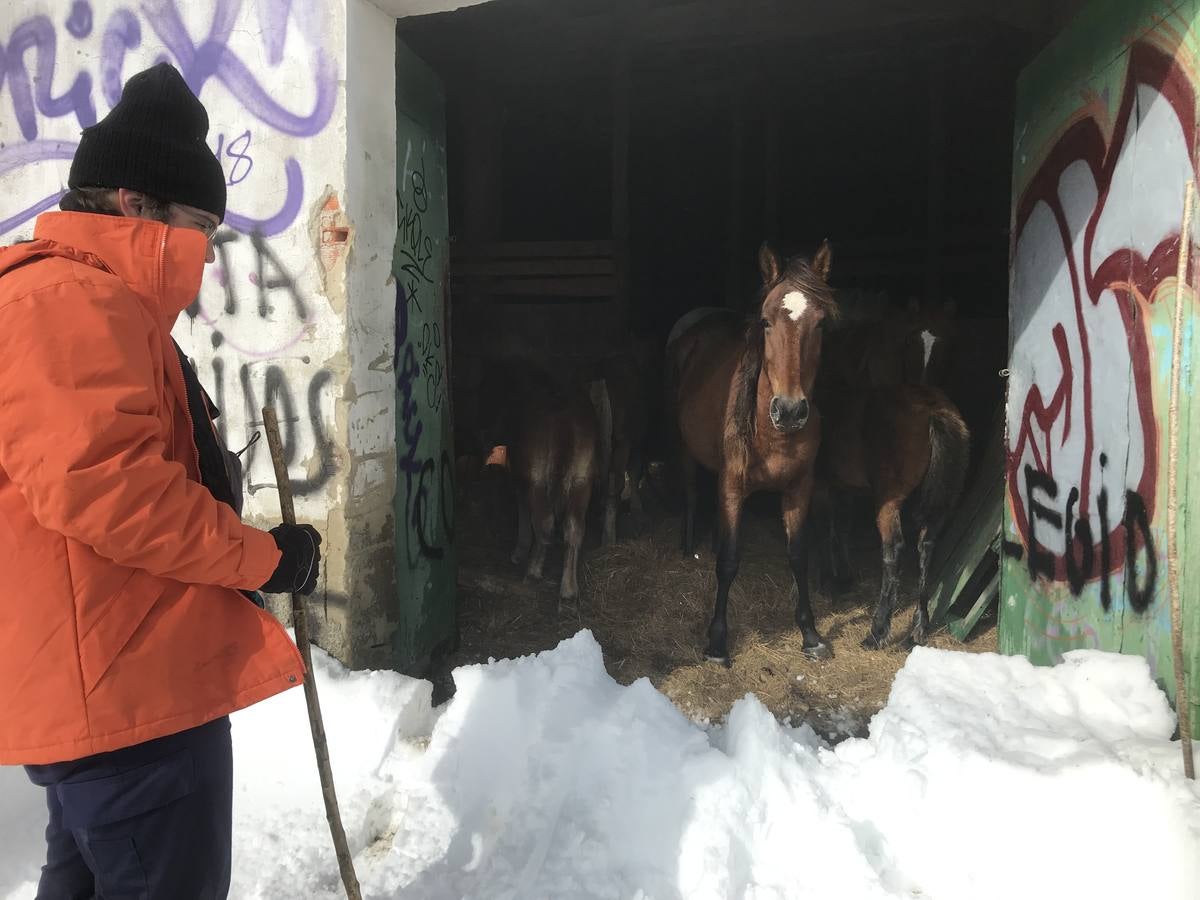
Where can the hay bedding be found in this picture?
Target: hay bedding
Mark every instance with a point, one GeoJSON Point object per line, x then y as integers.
{"type": "Point", "coordinates": [649, 607]}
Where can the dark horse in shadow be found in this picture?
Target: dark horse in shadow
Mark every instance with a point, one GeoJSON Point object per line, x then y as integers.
{"type": "Point", "coordinates": [551, 431]}
{"type": "Point", "coordinates": [744, 410]}
{"type": "Point", "coordinates": [904, 444]}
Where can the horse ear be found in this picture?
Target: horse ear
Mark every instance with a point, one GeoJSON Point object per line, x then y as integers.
{"type": "Point", "coordinates": [768, 264]}
{"type": "Point", "coordinates": [823, 259]}
{"type": "Point", "coordinates": [913, 305]}
{"type": "Point", "coordinates": [950, 307]}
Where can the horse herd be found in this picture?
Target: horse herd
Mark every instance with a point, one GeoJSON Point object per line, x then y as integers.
{"type": "Point", "coordinates": [789, 401]}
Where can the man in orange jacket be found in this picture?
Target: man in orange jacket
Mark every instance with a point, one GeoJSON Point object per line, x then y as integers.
{"type": "Point", "coordinates": [127, 632]}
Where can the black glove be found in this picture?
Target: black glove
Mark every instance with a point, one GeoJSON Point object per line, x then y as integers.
{"type": "Point", "coordinates": [301, 561]}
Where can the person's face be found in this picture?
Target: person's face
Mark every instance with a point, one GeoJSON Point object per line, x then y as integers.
{"type": "Point", "coordinates": [179, 215]}
{"type": "Point", "coordinates": [182, 216]}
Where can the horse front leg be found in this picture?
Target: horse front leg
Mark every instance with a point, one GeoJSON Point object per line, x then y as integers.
{"type": "Point", "coordinates": [728, 559]}
{"type": "Point", "coordinates": [795, 511]}
{"type": "Point", "coordinates": [892, 538]}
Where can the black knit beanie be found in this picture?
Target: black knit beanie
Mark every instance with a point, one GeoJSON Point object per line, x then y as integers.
{"type": "Point", "coordinates": [153, 141]}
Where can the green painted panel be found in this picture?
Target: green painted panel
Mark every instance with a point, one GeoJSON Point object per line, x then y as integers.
{"type": "Point", "coordinates": [425, 557]}
{"type": "Point", "coordinates": [1105, 140]}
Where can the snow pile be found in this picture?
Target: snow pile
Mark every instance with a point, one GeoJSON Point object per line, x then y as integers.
{"type": "Point", "coordinates": [983, 777]}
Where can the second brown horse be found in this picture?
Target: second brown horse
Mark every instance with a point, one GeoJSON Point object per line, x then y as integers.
{"type": "Point", "coordinates": [744, 408]}
{"type": "Point", "coordinates": [907, 447]}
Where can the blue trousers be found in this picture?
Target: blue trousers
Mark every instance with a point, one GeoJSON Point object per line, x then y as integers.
{"type": "Point", "coordinates": [147, 822]}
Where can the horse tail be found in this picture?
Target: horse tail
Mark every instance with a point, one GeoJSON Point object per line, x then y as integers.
{"type": "Point", "coordinates": [949, 457]}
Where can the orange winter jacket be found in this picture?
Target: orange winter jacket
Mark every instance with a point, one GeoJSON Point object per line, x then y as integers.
{"type": "Point", "coordinates": [120, 618]}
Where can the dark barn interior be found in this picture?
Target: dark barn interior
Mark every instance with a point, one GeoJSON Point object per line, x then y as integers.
{"type": "Point", "coordinates": [613, 164]}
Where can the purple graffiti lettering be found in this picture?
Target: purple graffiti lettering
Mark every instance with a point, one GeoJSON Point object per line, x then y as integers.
{"type": "Point", "coordinates": [124, 33]}
{"type": "Point", "coordinates": [236, 151]}
{"type": "Point", "coordinates": [279, 222]}
{"type": "Point", "coordinates": [29, 212]}
{"type": "Point", "coordinates": [273, 19]}
{"type": "Point", "coordinates": [18, 156]}
{"type": "Point", "coordinates": [79, 23]}
{"type": "Point", "coordinates": [30, 84]}
{"type": "Point", "coordinates": [38, 33]}
{"type": "Point", "coordinates": [212, 58]}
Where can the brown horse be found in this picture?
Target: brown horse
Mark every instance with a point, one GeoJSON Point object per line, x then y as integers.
{"type": "Point", "coordinates": [744, 412]}
{"type": "Point", "coordinates": [894, 443]}
{"type": "Point", "coordinates": [551, 432]}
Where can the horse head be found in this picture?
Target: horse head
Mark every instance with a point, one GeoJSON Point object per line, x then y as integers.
{"type": "Point", "coordinates": [785, 342]}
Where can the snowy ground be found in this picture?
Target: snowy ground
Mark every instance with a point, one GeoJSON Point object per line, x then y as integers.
{"type": "Point", "coordinates": [983, 777]}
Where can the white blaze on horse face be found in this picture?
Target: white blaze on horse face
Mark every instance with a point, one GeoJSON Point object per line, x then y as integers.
{"type": "Point", "coordinates": [928, 338]}
{"type": "Point", "coordinates": [795, 302]}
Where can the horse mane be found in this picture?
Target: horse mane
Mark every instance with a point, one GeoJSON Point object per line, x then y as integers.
{"type": "Point", "coordinates": [745, 402]}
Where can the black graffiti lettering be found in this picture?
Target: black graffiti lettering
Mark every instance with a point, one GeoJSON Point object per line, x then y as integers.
{"type": "Point", "coordinates": [415, 471]}
{"type": "Point", "coordinates": [418, 356]}
{"type": "Point", "coordinates": [1078, 571]}
{"type": "Point", "coordinates": [1137, 525]}
{"type": "Point", "coordinates": [446, 491]}
{"type": "Point", "coordinates": [278, 393]}
{"type": "Point", "coordinates": [1105, 548]}
{"type": "Point", "coordinates": [280, 389]}
{"type": "Point", "coordinates": [420, 513]}
{"type": "Point", "coordinates": [1140, 561]}
{"type": "Point", "coordinates": [222, 423]}
{"type": "Point", "coordinates": [1012, 549]}
{"type": "Point", "coordinates": [265, 258]}
{"type": "Point", "coordinates": [1040, 561]}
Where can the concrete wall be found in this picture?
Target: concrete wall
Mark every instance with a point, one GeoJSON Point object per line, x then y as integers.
{"type": "Point", "coordinates": [1105, 141]}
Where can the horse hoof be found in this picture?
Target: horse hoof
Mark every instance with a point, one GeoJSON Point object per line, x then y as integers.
{"type": "Point", "coordinates": [870, 642]}
{"type": "Point", "coordinates": [818, 652]}
{"type": "Point", "coordinates": [725, 661]}
{"type": "Point", "coordinates": [914, 640]}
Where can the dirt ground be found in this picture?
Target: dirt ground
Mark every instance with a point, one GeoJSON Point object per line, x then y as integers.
{"type": "Point", "coordinates": [649, 608]}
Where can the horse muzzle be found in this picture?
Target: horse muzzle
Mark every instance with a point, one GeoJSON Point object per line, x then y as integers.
{"type": "Point", "coordinates": [788, 415]}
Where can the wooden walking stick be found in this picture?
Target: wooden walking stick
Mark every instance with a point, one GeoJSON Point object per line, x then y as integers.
{"type": "Point", "coordinates": [1182, 712]}
{"type": "Point", "coordinates": [300, 622]}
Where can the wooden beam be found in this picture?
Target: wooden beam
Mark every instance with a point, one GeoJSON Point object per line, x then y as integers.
{"type": "Point", "coordinates": [474, 269]}
{"type": "Point", "coordinates": [935, 179]}
{"type": "Point", "coordinates": [531, 249]}
{"type": "Point", "coordinates": [586, 286]}
{"type": "Point", "coordinates": [621, 86]}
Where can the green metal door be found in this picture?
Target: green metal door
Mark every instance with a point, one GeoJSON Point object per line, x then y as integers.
{"type": "Point", "coordinates": [1105, 142]}
{"type": "Point", "coordinates": [425, 558]}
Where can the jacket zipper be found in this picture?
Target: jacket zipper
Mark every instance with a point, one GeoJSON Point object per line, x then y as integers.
{"type": "Point", "coordinates": [187, 413]}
